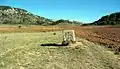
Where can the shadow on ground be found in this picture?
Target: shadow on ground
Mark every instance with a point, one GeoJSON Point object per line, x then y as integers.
{"type": "Point", "coordinates": [53, 44]}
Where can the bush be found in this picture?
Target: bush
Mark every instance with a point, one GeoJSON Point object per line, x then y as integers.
{"type": "Point", "coordinates": [19, 26]}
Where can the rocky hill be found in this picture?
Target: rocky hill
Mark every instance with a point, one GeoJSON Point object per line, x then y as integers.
{"type": "Point", "coordinates": [66, 22]}
{"type": "Point", "coordinates": [11, 15]}
{"type": "Point", "coordinates": [112, 19]}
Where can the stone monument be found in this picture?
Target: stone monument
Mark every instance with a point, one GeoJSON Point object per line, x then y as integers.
{"type": "Point", "coordinates": [68, 37]}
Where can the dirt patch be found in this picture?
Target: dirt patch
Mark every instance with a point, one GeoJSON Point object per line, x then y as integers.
{"type": "Point", "coordinates": [106, 35]}
{"type": "Point", "coordinates": [28, 29]}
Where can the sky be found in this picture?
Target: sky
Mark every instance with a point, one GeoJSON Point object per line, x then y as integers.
{"type": "Point", "coordinates": [80, 10]}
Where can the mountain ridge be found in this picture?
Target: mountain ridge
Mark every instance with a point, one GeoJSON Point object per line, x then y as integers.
{"type": "Point", "coordinates": [12, 15]}
{"type": "Point", "coordinates": [111, 19]}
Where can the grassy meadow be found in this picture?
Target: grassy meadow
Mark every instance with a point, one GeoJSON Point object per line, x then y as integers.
{"type": "Point", "coordinates": [23, 50]}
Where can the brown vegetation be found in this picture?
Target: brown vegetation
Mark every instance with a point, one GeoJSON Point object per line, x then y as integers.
{"type": "Point", "coordinates": [28, 29]}
{"type": "Point", "coordinates": [106, 35]}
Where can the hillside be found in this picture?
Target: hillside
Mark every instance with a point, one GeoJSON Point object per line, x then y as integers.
{"type": "Point", "coordinates": [112, 19]}
{"type": "Point", "coordinates": [11, 15]}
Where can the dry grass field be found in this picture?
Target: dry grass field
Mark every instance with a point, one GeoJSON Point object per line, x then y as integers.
{"type": "Point", "coordinates": [20, 48]}
{"type": "Point", "coordinates": [105, 35]}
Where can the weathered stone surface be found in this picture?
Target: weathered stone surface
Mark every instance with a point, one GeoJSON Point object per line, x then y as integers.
{"type": "Point", "coordinates": [69, 36]}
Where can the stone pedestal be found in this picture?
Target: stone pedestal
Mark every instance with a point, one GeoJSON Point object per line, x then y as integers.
{"type": "Point", "coordinates": [68, 37]}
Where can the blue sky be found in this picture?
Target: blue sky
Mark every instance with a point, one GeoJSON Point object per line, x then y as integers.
{"type": "Point", "coordinates": [80, 10]}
